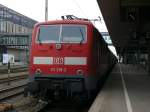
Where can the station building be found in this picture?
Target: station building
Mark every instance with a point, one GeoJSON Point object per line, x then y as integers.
{"type": "Point", "coordinates": [13, 27]}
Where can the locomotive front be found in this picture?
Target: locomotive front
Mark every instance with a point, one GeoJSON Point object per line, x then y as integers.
{"type": "Point", "coordinates": [59, 59]}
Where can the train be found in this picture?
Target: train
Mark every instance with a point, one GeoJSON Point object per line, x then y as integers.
{"type": "Point", "coordinates": [68, 58]}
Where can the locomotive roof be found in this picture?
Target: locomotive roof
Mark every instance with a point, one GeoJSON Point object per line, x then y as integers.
{"type": "Point", "coordinates": [65, 22]}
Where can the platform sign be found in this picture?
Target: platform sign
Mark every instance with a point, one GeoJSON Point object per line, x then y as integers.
{"type": "Point", "coordinates": [5, 58]}
{"type": "Point", "coordinates": [11, 58]}
{"type": "Point", "coordinates": [107, 38]}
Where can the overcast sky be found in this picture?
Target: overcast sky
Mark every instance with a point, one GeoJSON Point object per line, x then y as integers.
{"type": "Point", "coordinates": [35, 9]}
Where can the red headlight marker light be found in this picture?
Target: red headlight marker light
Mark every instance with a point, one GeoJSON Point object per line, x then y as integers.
{"type": "Point", "coordinates": [79, 72]}
{"type": "Point", "coordinates": [38, 72]}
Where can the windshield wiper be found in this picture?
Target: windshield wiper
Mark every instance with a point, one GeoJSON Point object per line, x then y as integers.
{"type": "Point", "coordinates": [39, 37]}
{"type": "Point", "coordinates": [82, 36]}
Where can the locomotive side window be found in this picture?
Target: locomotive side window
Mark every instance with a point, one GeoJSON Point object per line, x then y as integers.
{"type": "Point", "coordinates": [61, 34]}
{"type": "Point", "coordinates": [73, 34]}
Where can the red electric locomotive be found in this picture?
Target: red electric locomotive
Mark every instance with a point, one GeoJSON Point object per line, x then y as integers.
{"type": "Point", "coordinates": [68, 57]}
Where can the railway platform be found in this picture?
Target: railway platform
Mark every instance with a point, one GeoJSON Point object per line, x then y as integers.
{"type": "Point", "coordinates": [127, 89]}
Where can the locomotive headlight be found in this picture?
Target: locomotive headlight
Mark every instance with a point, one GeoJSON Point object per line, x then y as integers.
{"type": "Point", "coordinates": [38, 72]}
{"type": "Point", "coordinates": [79, 72]}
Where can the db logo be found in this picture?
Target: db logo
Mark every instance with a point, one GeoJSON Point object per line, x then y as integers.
{"type": "Point", "coordinates": [58, 60]}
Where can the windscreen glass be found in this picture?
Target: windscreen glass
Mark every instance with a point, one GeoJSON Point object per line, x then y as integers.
{"type": "Point", "coordinates": [73, 34]}
{"type": "Point", "coordinates": [61, 34]}
{"type": "Point", "coordinates": [49, 33]}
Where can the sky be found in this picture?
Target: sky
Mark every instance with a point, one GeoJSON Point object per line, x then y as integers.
{"type": "Point", "coordinates": [35, 9]}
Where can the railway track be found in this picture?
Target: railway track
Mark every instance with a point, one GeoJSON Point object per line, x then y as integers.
{"type": "Point", "coordinates": [14, 69]}
{"type": "Point", "coordinates": [66, 106]}
{"type": "Point", "coordinates": [11, 88]}
{"type": "Point", "coordinates": [11, 91]}
{"type": "Point", "coordinates": [12, 77]}
{"type": "Point", "coordinates": [12, 84]}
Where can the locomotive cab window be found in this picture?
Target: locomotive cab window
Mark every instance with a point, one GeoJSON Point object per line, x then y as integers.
{"type": "Point", "coordinates": [48, 34]}
{"type": "Point", "coordinates": [62, 34]}
{"type": "Point", "coordinates": [73, 33]}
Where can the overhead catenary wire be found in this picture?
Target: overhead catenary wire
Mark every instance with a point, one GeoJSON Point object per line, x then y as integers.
{"type": "Point", "coordinates": [76, 3]}
{"type": "Point", "coordinates": [92, 20]}
{"type": "Point", "coordinates": [95, 21]}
